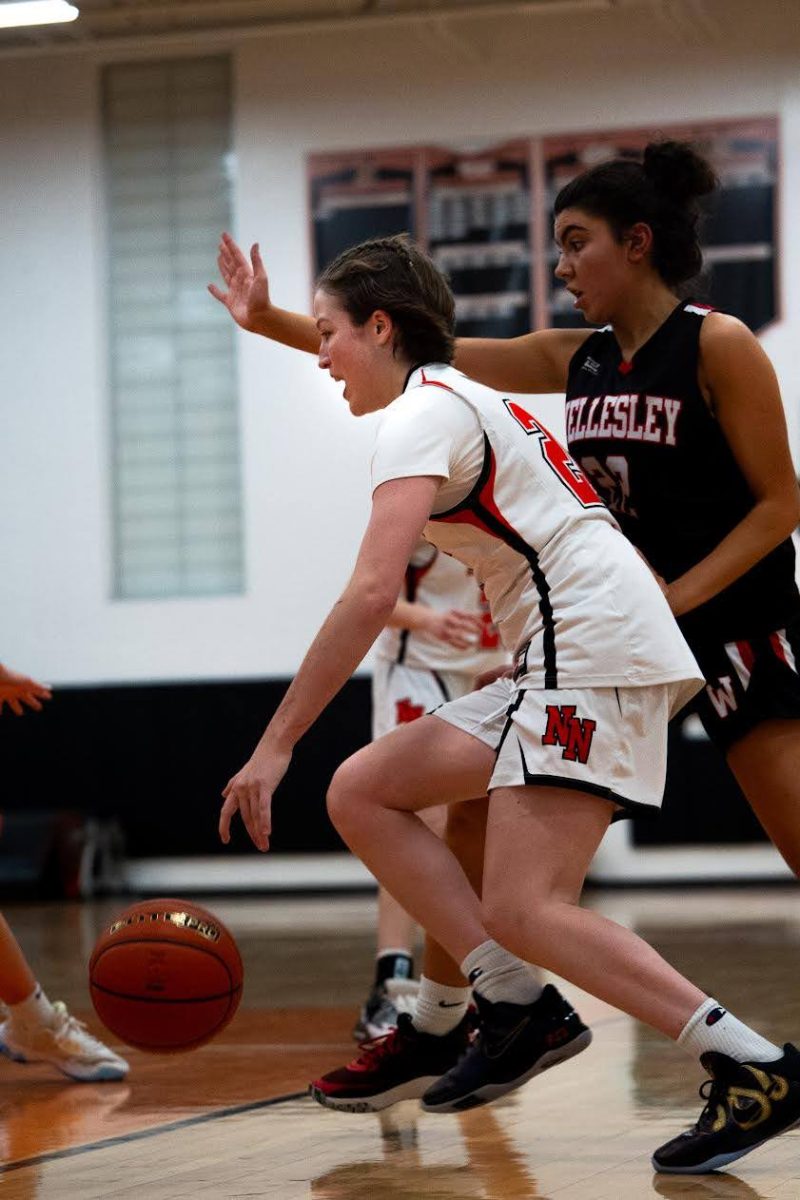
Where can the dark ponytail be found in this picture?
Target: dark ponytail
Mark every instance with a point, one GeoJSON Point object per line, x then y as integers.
{"type": "Point", "coordinates": [663, 191]}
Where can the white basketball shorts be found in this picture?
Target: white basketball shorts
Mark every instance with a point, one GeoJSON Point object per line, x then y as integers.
{"type": "Point", "coordinates": [401, 694]}
{"type": "Point", "coordinates": [608, 741]}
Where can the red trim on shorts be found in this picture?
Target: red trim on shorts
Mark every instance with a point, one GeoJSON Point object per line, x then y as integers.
{"type": "Point", "coordinates": [775, 642]}
{"type": "Point", "coordinates": [746, 651]}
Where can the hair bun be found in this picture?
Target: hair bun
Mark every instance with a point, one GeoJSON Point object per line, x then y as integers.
{"type": "Point", "coordinates": [677, 171]}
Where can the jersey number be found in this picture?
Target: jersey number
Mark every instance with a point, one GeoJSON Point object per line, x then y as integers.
{"type": "Point", "coordinates": [556, 456]}
{"type": "Point", "coordinates": [611, 477]}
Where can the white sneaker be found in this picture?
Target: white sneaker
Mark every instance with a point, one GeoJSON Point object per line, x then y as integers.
{"type": "Point", "coordinates": [65, 1044]}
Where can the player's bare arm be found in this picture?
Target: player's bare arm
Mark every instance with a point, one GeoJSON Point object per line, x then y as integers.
{"type": "Point", "coordinates": [536, 362]}
{"type": "Point", "coordinates": [742, 389]}
{"type": "Point", "coordinates": [18, 690]}
{"type": "Point", "coordinates": [400, 509]}
{"type": "Point", "coordinates": [247, 299]}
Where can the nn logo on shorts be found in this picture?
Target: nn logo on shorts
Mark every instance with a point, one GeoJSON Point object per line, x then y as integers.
{"type": "Point", "coordinates": [573, 733]}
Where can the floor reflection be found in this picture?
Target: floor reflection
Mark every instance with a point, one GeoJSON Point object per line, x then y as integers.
{"type": "Point", "coordinates": [67, 1114]}
{"type": "Point", "coordinates": [492, 1167]}
{"type": "Point", "coordinates": [704, 1187]}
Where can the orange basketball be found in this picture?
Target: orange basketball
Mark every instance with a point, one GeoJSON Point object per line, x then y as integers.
{"type": "Point", "coordinates": [165, 976]}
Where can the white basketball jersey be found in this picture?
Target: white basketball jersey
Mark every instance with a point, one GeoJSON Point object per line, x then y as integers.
{"type": "Point", "coordinates": [441, 582]}
{"type": "Point", "coordinates": [558, 573]}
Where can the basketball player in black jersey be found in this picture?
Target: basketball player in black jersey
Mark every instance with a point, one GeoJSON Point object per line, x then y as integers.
{"type": "Point", "coordinates": [675, 414]}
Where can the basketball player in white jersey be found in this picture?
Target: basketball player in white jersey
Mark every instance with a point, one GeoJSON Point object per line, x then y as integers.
{"type": "Point", "coordinates": [439, 638]}
{"type": "Point", "coordinates": [577, 738]}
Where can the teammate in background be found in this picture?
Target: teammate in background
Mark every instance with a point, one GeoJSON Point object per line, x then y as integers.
{"type": "Point", "coordinates": [437, 641]}
{"type": "Point", "coordinates": [579, 734]}
{"type": "Point", "coordinates": [34, 1029]}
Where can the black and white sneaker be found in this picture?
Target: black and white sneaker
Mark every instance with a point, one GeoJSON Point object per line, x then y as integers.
{"type": "Point", "coordinates": [746, 1105]}
{"type": "Point", "coordinates": [398, 1066]}
{"type": "Point", "coordinates": [514, 1042]}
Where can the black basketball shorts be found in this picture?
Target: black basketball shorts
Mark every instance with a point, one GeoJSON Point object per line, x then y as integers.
{"type": "Point", "coordinates": [747, 682]}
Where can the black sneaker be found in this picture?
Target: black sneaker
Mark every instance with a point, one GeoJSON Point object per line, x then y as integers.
{"type": "Point", "coordinates": [514, 1042]}
{"type": "Point", "coordinates": [383, 1006]}
{"type": "Point", "coordinates": [746, 1105]}
{"type": "Point", "coordinates": [399, 1066]}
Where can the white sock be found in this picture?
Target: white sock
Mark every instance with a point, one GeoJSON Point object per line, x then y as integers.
{"type": "Point", "coordinates": [713, 1028]}
{"type": "Point", "coordinates": [498, 975]}
{"type": "Point", "coordinates": [35, 1009]}
{"type": "Point", "coordinates": [438, 1008]}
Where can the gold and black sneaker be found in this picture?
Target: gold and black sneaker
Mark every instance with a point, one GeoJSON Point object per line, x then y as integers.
{"type": "Point", "coordinates": [746, 1105]}
{"type": "Point", "coordinates": [513, 1043]}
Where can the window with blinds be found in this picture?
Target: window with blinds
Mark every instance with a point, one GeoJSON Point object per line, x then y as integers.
{"type": "Point", "coordinates": [176, 468]}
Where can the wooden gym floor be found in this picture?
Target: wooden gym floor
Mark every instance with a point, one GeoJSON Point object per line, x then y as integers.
{"type": "Point", "coordinates": [232, 1120]}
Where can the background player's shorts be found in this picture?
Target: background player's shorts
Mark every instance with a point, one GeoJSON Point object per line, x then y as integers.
{"type": "Point", "coordinates": [747, 682]}
{"type": "Point", "coordinates": [608, 741]}
{"type": "Point", "coordinates": [401, 694]}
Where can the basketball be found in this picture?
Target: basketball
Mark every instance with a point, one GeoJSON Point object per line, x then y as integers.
{"type": "Point", "coordinates": [165, 976]}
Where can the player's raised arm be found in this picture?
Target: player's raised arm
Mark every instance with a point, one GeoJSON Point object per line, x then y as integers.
{"type": "Point", "coordinates": [535, 362]}
{"type": "Point", "coordinates": [246, 297]}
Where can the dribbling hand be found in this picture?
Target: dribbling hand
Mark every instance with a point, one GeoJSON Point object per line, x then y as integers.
{"type": "Point", "coordinates": [250, 792]}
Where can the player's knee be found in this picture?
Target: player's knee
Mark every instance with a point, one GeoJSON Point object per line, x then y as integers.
{"type": "Point", "coordinates": [507, 924]}
{"type": "Point", "coordinates": [344, 792]}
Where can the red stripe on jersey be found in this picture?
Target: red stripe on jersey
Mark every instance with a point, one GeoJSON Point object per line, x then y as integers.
{"type": "Point", "coordinates": [465, 517]}
{"type": "Point", "coordinates": [775, 642]}
{"type": "Point", "coordinates": [746, 651]}
{"type": "Point", "coordinates": [625, 367]}
{"type": "Point", "coordinates": [435, 383]}
{"type": "Point", "coordinates": [485, 498]}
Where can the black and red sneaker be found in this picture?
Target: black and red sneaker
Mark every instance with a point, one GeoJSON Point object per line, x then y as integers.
{"type": "Point", "coordinates": [746, 1105]}
{"type": "Point", "coordinates": [514, 1042]}
{"type": "Point", "coordinates": [399, 1066]}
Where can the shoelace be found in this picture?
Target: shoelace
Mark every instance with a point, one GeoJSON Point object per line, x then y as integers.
{"type": "Point", "coordinates": [376, 1049]}
{"type": "Point", "coordinates": [67, 1024]}
{"type": "Point", "coordinates": [715, 1096]}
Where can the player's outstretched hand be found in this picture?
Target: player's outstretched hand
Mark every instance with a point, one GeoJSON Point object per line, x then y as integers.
{"type": "Point", "coordinates": [247, 288]}
{"type": "Point", "coordinates": [455, 627]}
{"type": "Point", "coordinates": [17, 690]}
{"type": "Point", "coordinates": [250, 792]}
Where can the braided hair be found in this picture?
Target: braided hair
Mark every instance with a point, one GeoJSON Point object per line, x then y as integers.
{"type": "Point", "coordinates": [394, 275]}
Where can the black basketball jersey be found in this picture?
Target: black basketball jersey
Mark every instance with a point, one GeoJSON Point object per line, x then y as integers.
{"type": "Point", "coordinates": [642, 431]}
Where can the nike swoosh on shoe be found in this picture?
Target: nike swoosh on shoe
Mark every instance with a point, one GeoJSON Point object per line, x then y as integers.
{"type": "Point", "coordinates": [499, 1048]}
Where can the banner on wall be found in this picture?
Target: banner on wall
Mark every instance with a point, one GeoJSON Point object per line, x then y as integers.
{"type": "Point", "coordinates": [484, 214]}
